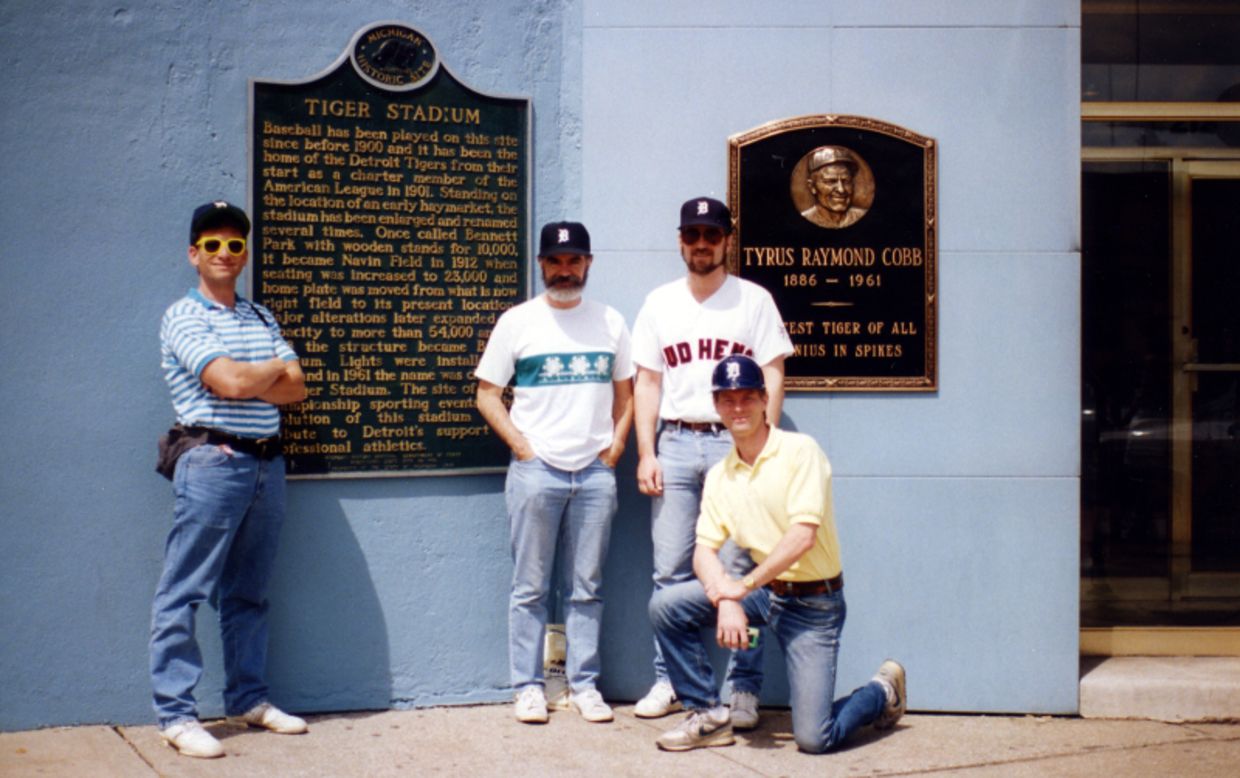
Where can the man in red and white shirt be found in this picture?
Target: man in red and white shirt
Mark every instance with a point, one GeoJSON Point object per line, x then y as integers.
{"type": "Point", "coordinates": [683, 329]}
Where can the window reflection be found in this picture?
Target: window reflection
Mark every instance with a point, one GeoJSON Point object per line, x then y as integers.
{"type": "Point", "coordinates": [1160, 51]}
{"type": "Point", "coordinates": [1126, 356]}
{"type": "Point", "coordinates": [1200, 136]}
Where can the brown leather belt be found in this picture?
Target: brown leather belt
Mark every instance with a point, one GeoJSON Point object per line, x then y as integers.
{"type": "Point", "coordinates": [695, 426]}
{"type": "Point", "coordinates": [806, 588]}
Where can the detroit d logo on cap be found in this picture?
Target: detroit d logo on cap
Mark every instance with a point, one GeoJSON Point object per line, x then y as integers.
{"type": "Point", "coordinates": [703, 207]}
{"type": "Point", "coordinates": [563, 235]}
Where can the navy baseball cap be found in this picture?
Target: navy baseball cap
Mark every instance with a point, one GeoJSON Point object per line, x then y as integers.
{"type": "Point", "coordinates": [706, 212]}
{"type": "Point", "coordinates": [564, 238]}
{"type": "Point", "coordinates": [737, 372]}
{"type": "Point", "coordinates": [215, 214]}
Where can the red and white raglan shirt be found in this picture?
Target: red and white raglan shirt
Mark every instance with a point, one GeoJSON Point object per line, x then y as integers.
{"type": "Point", "coordinates": [683, 339]}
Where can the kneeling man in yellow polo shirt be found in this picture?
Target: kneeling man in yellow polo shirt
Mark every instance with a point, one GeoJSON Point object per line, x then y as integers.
{"type": "Point", "coordinates": [771, 496]}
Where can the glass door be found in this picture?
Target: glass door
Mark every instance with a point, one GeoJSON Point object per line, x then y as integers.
{"type": "Point", "coordinates": [1161, 395]}
{"type": "Point", "coordinates": [1210, 373]}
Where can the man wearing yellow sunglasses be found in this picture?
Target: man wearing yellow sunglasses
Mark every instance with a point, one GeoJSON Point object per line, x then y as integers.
{"type": "Point", "coordinates": [228, 367]}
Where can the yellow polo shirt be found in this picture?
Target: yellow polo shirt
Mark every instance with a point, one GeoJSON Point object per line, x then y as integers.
{"type": "Point", "coordinates": [789, 482]}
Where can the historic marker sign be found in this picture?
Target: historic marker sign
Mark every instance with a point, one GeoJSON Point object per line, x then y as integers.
{"type": "Point", "coordinates": [390, 206]}
{"type": "Point", "coordinates": [836, 218]}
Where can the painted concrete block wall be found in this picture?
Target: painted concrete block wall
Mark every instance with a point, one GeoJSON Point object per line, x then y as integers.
{"type": "Point", "coordinates": [958, 511]}
{"type": "Point", "coordinates": [116, 120]}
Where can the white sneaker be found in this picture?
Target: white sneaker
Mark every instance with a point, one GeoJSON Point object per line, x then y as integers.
{"type": "Point", "coordinates": [744, 707]}
{"type": "Point", "coordinates": [591, 706]}
{"type": "Point", "coordinates": [267, 716]}
{"type": "Point", "coordinates": [190, 739]}
{"type": "Point", "coordinates": [531, 707]}
{"type": "Point", "coordinates": [891, 677]}
{"type": "Point", "coordinates": [700, 729]}
{"type": "Point", "coordinates": [658, 702]}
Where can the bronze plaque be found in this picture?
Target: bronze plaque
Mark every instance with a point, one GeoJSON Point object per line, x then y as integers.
{"type": "Point", "coordinates": [836, 217]}
{"type": "Point", "coordinates": [390, 205]}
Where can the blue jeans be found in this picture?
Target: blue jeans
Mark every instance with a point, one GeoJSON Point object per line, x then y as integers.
{"type": "Point", "coordinates": [550, 509]}
{"type": "Point", "coordinates": [808, 630]}
{"type": "Point", "coordinates": [229, 510]}
{"type": "Point", "coordinates": [685, 456]}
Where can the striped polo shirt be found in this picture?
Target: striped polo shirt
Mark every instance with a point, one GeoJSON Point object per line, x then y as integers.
{"type": "Point", "coordinates": [195, 331]}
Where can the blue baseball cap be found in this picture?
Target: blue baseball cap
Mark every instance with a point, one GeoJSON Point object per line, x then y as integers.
{"type": "Point", "coordinates": [214, 214]}
{"type": "Point", "coordinates": [737, 372]}
{"type": "Point", "coordinates": [706, 212]}
{"type": "Point", "coordinates": [564, 238]}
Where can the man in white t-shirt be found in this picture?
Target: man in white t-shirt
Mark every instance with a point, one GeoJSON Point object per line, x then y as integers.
{"type": "Point", "coordinates": [571, 411]}
{"type": "Point", "coordinates": [683, 330]}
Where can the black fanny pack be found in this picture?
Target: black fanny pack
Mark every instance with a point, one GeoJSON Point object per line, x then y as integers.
{"type": "Point", "coordinates": [176, 442]}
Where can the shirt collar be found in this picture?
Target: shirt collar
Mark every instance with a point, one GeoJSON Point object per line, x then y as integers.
{"type": "Point", "coordinates": [197, 296]}
{"type": "Point", "coordinates": [773, 440]}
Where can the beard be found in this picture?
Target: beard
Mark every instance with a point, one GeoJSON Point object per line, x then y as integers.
{"type": "Point", "coordinates": [703, 264]}
{"type": "Point", "coordinates": [566, 288]}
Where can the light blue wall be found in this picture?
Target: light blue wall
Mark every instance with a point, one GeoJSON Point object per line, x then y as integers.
{"type": "Point", "coordinates": [958, 510]}
{"type": "Point", "coordinates": [116, 120]}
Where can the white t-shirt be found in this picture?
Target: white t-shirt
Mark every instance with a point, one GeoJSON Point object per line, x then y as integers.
{"type": "Point", "coordinates": [683, 339]}
{"type": "Point", "coordinates": [564, 361]}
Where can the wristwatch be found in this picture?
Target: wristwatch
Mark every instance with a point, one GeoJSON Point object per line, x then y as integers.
{"type": "Point", "coordinates": [749, 582]}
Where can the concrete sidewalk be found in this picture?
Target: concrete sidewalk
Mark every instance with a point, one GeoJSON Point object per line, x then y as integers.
{"type": "Point", "coordinates": [485, 740]}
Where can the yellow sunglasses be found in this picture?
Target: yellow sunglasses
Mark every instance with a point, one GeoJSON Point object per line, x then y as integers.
{"type": "Point", "coordinates": [212, 245]}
